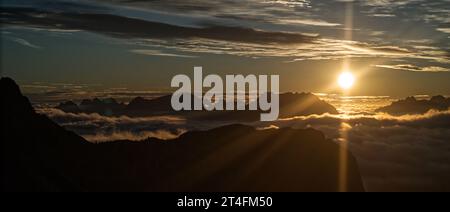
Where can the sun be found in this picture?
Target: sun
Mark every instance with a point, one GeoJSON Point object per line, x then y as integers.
{"type": "Point", "coordinates": [346, 80]}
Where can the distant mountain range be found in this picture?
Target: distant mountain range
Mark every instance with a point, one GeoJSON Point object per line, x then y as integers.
{"type": "Point", "coordinates": [411, 105]}
{"type": "Point", "coordinates": [39, 155]}
{"type": "Point", "coordinates": [291, 104]}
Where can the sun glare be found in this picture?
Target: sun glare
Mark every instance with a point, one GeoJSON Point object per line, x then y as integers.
{"type": "Point", "coordinates": [346, 80]}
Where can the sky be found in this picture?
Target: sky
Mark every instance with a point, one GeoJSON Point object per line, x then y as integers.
{"type": "Point", "coordinates": [396, 48]}
{"type": "Point", "coordinates": [75, 49]}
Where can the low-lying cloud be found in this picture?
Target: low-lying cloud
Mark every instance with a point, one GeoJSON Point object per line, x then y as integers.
{"type": "Point", "coordinates": [131, 136]}
{"type": "Point", "coordinates": [98, 128]}
{"type": "Point", "coordinates": [395, 153]}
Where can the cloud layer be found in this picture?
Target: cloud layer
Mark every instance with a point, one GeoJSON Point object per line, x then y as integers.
{"type": "Point", "coordinates": [124, 27]}
{"type": "Point", "coordinates": [97, 128]}
{"type": "Point", "coordinates": [292, 30]}
{"type": "Point", "coordinates": [395, 153]}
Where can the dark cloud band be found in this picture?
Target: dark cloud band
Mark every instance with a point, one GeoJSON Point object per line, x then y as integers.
{"type": "Point", "coordinates": [124, 27]}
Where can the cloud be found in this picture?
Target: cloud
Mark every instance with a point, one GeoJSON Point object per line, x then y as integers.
{"type": "Point", "coordinates": [382, 15]}
{"type": "Point", "coordinates": [24, 42]}
{"type": "Point", "coordinates": [183, 41]}
{"type": "Point", "coordinates": [431, 119]}
{"type": "Point", "coordinates": [413, 68]}
{"type": "Point", "coordinates": [199, 12]}
{"type": "Point", "coordinates": [158, 53]}
{"type": "Point", "coordinates": [388, 3]}
{"type": "Point", "coordinates": [50, 94]}
{"type": "Point", "coordinates": [377, 33]}
{"type": "Point", "coordinates": [124, 27]}
{"type": "Point", "coordinates": [308, 22]}
{"type": "Point", "coordinates": [394, 153]}
{"type": "Point", "coordinates": [138, 136]}
{"type": "Point", "coordinates": [390, 7]}
{"type": "Point", "coordinates": [319, 49]}
{"type": "Point", "coordinates": [39, 87]}
{"type": "Point", "coordinates": [98, 128]}
{"type": "Point", "coordinates": [58, 5]}
{"type": "Point", "coordinates": [284, 12]}
{"type": "Point", "coordinates": [444, 30]}
{"type": "Point", "coordinates": [260, 8]}
{"type": "Point", "coordinates": [290, 3]}
{"type": "Point", "coordinates": [439, 16]}
{"type": "Point", "coordinates": [398, 158]}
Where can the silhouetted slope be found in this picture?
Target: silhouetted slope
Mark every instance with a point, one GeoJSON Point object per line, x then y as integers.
{"type": "Point", "coordinates": [411, 105]}
{"type": "Point", "coordinates": [33, 146]}
{"type": "Point", "coordinates": [38, 155]}
{"type": "Point", "coordinates": [291, 104]}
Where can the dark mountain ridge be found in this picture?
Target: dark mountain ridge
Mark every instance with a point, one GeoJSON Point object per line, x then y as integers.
{"type": "Point", "coordinates": [411, 105]}
{"type": "Point", "coordinates": [39, 155]}
{"type": "Point", "coordinates": [291, 104]}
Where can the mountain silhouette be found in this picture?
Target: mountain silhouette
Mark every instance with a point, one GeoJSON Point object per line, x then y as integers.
{"type": "Point", "coordinates": [108, 107]}
{"type": "Point", "coordinates": [291, 104]}
{"type": "Point", "coordinates": [411, 105]}
{"type": "Point", "coordinates": [39, 155]}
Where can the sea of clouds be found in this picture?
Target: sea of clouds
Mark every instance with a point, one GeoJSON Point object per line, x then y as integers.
{"type": "Point", "coordinates": [395, 153]}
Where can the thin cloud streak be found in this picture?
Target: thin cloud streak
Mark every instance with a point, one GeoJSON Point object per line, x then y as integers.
{"type": "Point", "coordinates": [159, 53]}
{"type": "Point", "coordinates": [24, 42]}
{"type": "Point", "coordinates": [413, 68]}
